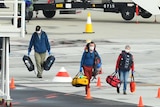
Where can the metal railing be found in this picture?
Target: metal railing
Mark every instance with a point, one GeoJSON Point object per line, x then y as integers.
{"type": "Point", "coordinates": [8, 13]}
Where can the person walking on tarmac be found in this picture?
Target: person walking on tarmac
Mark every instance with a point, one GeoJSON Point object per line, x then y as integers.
{"type": "Point", "coordinates": [88, 61]}
{"type": "Point", "coordinates": [41, 44]}
{"type": "Point", "coordinates": [124, 64]}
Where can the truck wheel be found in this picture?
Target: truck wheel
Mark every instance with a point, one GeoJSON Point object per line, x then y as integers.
{"type": "Point", "coordinates": [49, 14]}
{"type": "Point", "coordinates": [127, 13]}
{"type": "Point", "coordinates": [29, 15]}
{"type": "Point", "coordinates": [145, 14]}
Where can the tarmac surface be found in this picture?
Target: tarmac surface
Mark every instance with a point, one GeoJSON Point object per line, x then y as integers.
{"type": "Point", "coordinates": [43, 98]}
{"type": "Point", "coordinates": [112, 33]}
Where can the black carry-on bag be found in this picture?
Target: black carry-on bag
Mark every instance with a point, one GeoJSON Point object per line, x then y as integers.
{"type": "Point", "coordinates": [49, 62]}
{"type": "Point", "coordinates": [28, 62]}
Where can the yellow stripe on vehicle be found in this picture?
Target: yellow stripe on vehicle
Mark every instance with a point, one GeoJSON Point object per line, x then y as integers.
{"type": "Point", "coordinates": [59, 5]}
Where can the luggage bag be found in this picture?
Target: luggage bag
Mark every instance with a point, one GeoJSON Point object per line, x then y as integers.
{"type": "Point", "coordinates": [113, 80]}
{"type": "Point", "coordinates": [28, 62]}
{"type": "Point", "coordinates": [132, 84]}
{"type": "Point", "coordinates": [49, 62]}
{"type": "Point", "coordinates": [79, 80]}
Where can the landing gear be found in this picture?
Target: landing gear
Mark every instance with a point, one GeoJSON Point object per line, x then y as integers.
{"type": "Point", "coordinates": [127, 13]}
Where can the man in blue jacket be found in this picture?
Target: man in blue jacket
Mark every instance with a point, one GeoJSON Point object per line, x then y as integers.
{"type": "Point", "coordinates": [89, 57]}
{"type": "Point", "coordinates": [41, 44]}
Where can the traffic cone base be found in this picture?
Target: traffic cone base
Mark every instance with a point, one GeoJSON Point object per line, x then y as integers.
{"type": "Point", "coordinates": [140, 102]}
{"type": "Point", "coordinates": [12, 85]}
{"type": "Point", "coordinates": [88, 96]}
{"type": "Point", "coordinates": [89, 28]}
{"type": "Point", "coordinates": [158, 95]}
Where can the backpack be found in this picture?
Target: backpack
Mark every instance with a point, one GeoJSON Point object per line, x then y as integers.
{"type": "Point", "coordinates": [126, 61]}
{"type": "Point", "coordinates": [96, 70]}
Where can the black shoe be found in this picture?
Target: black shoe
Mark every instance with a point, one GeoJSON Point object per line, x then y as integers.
{"type": "Point", "coordinates": [38, 76]}
{"type": "Point", "coordinates": [118, 90]}
{"type": "Point", "coordinates": [124, 93]}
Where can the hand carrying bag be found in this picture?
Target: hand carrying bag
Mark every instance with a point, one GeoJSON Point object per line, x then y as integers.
{"type": "Point", "coordinates": [113, 80]}
{"type": "Point", "coordinates": [28, 62]}
{"type": "Point", "coordinates": [79, 80]}
{"type": "Point", "coordinates": [132, 84]}
{"type": "Point", "coordinates": [49, 62]}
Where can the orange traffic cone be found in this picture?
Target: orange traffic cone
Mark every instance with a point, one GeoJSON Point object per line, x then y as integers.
{"type": "Point", "coordinates": [99, 82]}
{"type": "Point", "coordinates": [88, 94]}
{"type": "Point", "coordinates": [12, 85]}
{"type": "Point", "coordinates": [158, 95]}
{"type": "Point", "coordinates": [89, 25]}
{"type": "Point", "coordinates": [140, 102]}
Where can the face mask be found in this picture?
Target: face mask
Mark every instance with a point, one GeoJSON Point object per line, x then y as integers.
{"type": "Point", "coordinates": [91, 48]}
{"type": "Point", "coordinates": [39, 31]}
{"type": "Point", "coordinates": [127, 50]}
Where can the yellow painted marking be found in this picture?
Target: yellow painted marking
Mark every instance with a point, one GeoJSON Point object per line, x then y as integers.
{"type": "Point", "coordinates": [59, 5]}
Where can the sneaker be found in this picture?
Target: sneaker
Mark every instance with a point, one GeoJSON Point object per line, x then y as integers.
{"type": "Point", "coordinates": [124, 93]}
{"type": "Point", "coordinates": [39, 76]}
{"type": "Point", "coordinates": [118, 90]}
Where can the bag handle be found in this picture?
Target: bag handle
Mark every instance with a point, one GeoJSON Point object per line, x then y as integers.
{"type": "Point", "coordinates": [114, 73]}
{"type": "Point", "coordinates": [132, 78]}
{"type": "Point", "coordinates": [79, 74]}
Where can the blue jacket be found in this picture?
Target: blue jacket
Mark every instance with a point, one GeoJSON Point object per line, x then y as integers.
{"type": "Point", "coordinates": [41, 45]}
{"type": "Point", "coordinates": [88, 58]}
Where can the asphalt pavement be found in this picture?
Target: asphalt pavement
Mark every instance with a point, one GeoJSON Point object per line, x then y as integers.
{"type": "Point", "coordinates": [44, 98]}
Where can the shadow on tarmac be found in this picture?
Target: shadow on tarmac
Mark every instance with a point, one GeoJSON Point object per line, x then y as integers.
{"type": "Point", "coordinates": [27, 97]}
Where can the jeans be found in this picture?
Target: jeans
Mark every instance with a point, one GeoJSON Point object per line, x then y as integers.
{"type": "Point", "coordinates": [123, 78]}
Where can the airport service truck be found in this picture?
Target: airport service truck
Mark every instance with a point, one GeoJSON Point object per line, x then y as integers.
{"type": "Point", "coordinates": [127, 8]}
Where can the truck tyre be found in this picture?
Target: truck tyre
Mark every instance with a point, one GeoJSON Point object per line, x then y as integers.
{"type": "Point", "coordinates": [29, 15]}
{"type": "Point", "coordinates": [145, 14]}
{"type": "Point", "coordinates": [49, 14]}
{"type": "Point", "coordinates": [127, 13]}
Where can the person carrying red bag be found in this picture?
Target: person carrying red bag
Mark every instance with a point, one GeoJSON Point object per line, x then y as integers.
{"type": "Point", "coordinates": [124, 64]}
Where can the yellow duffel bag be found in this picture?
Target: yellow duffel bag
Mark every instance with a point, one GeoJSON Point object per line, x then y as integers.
{"type": "Point", "coordinates": [79, 80]}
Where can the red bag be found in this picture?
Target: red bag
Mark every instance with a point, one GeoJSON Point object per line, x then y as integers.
{"type": "Point", "coordinates": [132, 84]}
{"type": "Point", "coordinates": [113, 80]}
